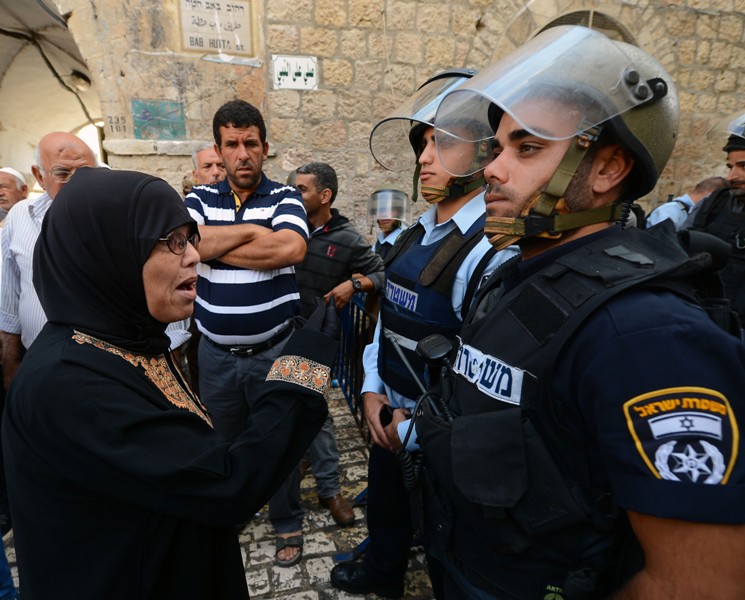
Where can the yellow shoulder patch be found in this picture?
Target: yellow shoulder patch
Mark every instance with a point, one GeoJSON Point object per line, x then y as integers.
{"type": "Point", "coordinates": [686, 434]}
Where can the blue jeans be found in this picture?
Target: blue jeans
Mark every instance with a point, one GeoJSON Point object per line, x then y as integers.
{"type": "Point", "coordinates": [324, 460]}
{"type": "Point", "coordinates": [7, 590]}
{"type": "Point", "coordinates": [228, 386]}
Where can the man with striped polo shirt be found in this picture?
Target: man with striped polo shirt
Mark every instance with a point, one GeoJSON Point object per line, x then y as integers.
{"type": "Point", "coordinates": [253, 231]}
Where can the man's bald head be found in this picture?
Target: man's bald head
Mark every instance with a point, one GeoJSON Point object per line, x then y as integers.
{"type": "Point", "coordinates": [57, 156]}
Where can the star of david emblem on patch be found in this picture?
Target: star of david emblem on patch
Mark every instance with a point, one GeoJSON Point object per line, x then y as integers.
{"type": "Point", "coordinates": [684, 434]}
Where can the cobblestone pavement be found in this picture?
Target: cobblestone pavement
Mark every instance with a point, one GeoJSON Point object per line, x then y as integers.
{"type": "Point", "coordinates": [309, 580]}
{"type": "Point", "coordinates": [324, 540]}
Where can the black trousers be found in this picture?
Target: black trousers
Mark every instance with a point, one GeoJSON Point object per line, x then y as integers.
{"type": "Point", "coordinates": [388, 519]}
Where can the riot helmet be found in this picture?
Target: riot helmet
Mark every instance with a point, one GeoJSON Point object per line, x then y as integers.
{"type": "Point", "coordinates": [569, 82]}
{"type": "Point", "coordinates": [734, 127]}
{"type": "Point", "coordinates": [388, 203]}
{"type": "Point", "coordinates": [392, 139]}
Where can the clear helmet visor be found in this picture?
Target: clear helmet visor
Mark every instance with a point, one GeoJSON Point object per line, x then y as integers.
{"type": "Point", "coordinates": [388, 204]}
{"type": "Point", "coordinates": [389, 139]}
{"type": "Point", "coordinates": [729, 125]}
{"type": "Point", "coordinates": [562, 82]}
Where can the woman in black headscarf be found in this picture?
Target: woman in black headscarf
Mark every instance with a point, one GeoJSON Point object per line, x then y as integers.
{"type": "Point", "coordinates": [119, 487]}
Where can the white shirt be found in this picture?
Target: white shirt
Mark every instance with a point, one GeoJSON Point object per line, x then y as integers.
{"type": "Point", "coordinates": [20, 310]}
{"type": "Point", "coordinates": [178, 332]}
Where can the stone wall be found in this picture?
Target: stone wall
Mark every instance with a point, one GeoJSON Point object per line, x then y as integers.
{"type": "Point", "coordinates": [371, 55]}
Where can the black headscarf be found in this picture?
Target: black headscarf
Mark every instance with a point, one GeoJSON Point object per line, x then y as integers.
{"type": "Point", "coordinates": [94, 242]}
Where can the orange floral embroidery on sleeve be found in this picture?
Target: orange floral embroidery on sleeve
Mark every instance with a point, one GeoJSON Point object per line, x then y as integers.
{"type": "Point", "coordinates": [300, 371]}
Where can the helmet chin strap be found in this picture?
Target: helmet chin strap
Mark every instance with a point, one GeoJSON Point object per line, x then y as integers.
{"type": "Point", "coordinates": [457, 188]}
{"type": "Point", "coordinates": [505, 231]}
{"type": "Point", "coordinates": [547, 215]}
{"type": "Point", "coordinates": [415, 183]}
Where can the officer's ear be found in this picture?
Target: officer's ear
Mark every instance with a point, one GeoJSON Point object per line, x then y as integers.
{"type": "Point", "coordinates": [610, 166]}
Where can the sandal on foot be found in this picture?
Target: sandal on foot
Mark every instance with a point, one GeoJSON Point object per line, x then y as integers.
{"type": "Point", "coordinates": [295, 541]}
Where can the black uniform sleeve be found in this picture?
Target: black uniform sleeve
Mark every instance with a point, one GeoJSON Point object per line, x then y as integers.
{"type": "Point", "coordinates": [655, 390]}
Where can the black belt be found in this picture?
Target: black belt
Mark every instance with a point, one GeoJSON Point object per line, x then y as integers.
{"type": "Point", "coordinates": [253, 349]}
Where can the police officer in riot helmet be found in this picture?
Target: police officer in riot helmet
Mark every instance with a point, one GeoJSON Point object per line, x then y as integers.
{"type": "Point", "coordinates": [723, 213]}
{"type": "Point", "coordinates": [387, 208]}
{"type": "Point", "coordinates": [427, 285]}
{"type": "Point", "coordinates": [589, 420]}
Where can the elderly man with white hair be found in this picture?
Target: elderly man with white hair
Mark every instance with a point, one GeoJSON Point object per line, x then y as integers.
{"type": "Point", "coordinates": [13, 188]}
{"type": "Point", "coordinates": [57, 157]}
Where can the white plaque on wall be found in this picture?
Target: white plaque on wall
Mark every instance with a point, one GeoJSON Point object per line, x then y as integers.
{"type": "Point", "coordinates": [217, 26]}
{"type": "Point", "coordinates": [295, 72]}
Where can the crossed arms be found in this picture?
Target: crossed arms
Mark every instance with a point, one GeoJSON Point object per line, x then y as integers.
{"type": "Point", "coordinates": [251, 246]}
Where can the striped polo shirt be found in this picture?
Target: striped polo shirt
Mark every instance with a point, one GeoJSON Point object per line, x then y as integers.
{"type": "Point", "coordinates": [238, 306]}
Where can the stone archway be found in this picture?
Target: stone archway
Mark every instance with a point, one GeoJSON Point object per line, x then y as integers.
{"type": "Point", "coordinates": [502, 35]}
{"type": "Point", "coordinates": [45, 84]}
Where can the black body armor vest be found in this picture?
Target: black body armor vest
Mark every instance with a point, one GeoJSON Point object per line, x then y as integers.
{"type": "Point", "coordinates": [715, 216]}
{"type": "Point", "coordinates": [507, 491]}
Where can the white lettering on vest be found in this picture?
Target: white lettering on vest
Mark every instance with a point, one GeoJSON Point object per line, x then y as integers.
{"type": "Point", "coordinates": [490, 375]}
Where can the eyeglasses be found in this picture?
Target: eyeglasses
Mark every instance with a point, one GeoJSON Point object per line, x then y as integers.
{"type": "Point", "coordinates": [61, 175]}
{"type": "Point", "coordinates": [176, 241]}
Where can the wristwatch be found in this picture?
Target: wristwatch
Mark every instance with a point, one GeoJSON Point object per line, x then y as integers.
{"type": "Point", "coordinates": [356, 284]}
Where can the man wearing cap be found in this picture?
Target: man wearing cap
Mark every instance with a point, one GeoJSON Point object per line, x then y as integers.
{"type": "Point", "coordinates": [723, 213]}
{"type": "Point", "coordinates": [13, 188]}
